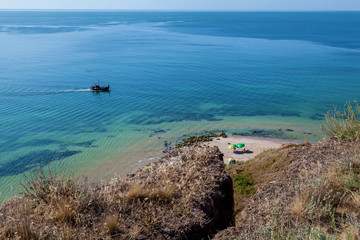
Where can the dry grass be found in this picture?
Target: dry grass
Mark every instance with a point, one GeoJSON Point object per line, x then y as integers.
{"type": "Point", "coordinates": [164, 194]}
{"type": "Point", "coordinates": [139, 192]}
{"type": "Point", "coordinates": [343, 124]}
{"type": "Point", "coordinates": [298, 206]}
{"type": "Point", "coordinates": [333, 201]}
{"type": "Point", "coordinates": [67, 233]}
{"type": "Point", "coordinates": [65, 212]}
{"type": "Point", "coordinates": [316, 201]}
{"type": "Point", "coordinates": [23, 226]}
{"type": "Point", "coordinates": [6, 232]}
{"type": "Point", "coordinates": [111, 225]}
{"type": "Point", "coordinates": [48, 200]}
{"type": "Point", "coordinates": [67, 200]}
{"type": "Point", "coordinates": [152, 204]}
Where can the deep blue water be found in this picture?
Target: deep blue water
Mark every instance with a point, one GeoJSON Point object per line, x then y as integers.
{"type": "Point", "coordinates": [171, 73]}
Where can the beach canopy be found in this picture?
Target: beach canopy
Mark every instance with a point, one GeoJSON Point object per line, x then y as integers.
{"type": "Point", "coordinates": [232, 146]}
{"type": "Point", "coordinates": [240, 145]}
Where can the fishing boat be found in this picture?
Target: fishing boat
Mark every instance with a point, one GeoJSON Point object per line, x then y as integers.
{"type": "Point", "coordinates": [99, 88]}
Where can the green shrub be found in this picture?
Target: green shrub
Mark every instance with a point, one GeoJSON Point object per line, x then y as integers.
{"type": "Point", "coordinates": [244, 183]}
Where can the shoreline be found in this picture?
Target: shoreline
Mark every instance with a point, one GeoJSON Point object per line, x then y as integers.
{"type": "Point", "coordinates": [254, 145]}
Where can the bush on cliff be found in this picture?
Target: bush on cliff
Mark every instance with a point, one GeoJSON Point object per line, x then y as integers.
{"type": "Point", "coordinates": [343, 124]}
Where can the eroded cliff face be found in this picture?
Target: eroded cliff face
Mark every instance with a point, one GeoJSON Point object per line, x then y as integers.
{"type": "Point", "coordinates": [185, 195]}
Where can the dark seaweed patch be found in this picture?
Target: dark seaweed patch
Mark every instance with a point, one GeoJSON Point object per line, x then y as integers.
{"type": "Point", "coordinates": [33, 160]}
{"type": "Point", "coordinates": [159, 131]}
{"type": "Point", "coordinates": [151, 119]}
{"type": "Point", "coordinates": [276, 133]}
{"type": "Point", "coordinates": [40, 142]}
{"type": "Point", "coordinates": [93, 130]}
{"type": "Point", "coordinates": [12, 145]}
{"type": "Point", "coordinates": [9, 145]}
{"type": "Point", "coordinates": [317, 116]}
{"type": "Point", "coordinates": [209, 115]}
{"type": "Point", "coordinates": [87, 144]}
{"type": "Point", "coordinates": [156, 132]}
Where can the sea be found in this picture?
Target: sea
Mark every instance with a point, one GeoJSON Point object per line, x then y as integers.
{"type": "Point", "coordinates": [171, 74]}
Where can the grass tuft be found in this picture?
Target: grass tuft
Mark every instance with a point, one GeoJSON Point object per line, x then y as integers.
{"type": "Point", "coordinates": [65, 213]}
{"type": "Point", "coordinates": [6, 233]}
{"type": "Point", "coordinates": [24, 230]}
{"type": "Point", "coordinates": [111, 225]}
{"type": "Point", "coordinates": [139, 192]}
{"type": "Point", "coordinates": [344, 124]}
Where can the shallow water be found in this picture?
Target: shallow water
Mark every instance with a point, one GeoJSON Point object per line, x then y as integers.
{"type": "Point", "coordinates": [171, 74]}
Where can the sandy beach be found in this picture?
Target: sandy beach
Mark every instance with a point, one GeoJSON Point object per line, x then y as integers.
{"type": "Point", "coordinates": [253, 145]}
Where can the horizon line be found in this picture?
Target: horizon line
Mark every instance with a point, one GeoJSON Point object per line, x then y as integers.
{"type": "Point", "coordinates": [170, 10]}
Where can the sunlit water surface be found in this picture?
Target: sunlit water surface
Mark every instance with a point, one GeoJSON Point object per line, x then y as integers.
{"type": "Point", "coordinates": [171, 74]}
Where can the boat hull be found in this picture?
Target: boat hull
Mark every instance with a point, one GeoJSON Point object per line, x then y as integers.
{"type": "Point", "coordinates": [100, 89]}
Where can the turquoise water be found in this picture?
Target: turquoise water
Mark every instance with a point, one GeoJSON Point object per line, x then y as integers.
{"type": "Point", "coordinates": [171, 74]}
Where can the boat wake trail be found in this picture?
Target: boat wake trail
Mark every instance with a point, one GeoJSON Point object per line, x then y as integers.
{"type": "Point", "coordinates": [50, 92]}
{"type": "Point", "coordinates": [72, 90]}
{"type": "Point", "coordinates": [63, 91]}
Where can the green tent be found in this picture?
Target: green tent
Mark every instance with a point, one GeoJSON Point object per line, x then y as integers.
{"type": "Point", "coordinates": [240, 145]}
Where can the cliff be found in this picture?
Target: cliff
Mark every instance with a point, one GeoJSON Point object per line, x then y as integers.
{"type": "Point", "coordinates": [186, 195]}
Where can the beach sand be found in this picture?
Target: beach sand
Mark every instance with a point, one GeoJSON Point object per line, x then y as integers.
{"type": "Point", "coordinates": [253, 145]}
